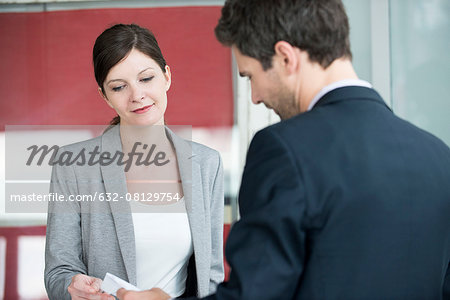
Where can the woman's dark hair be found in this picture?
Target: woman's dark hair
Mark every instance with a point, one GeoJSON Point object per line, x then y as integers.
{"type": "Point", "coordinates": [115, 43]}
{"type": "Point", "coordinates": [319, 27]}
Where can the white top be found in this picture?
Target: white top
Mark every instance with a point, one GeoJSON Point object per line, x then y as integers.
{"type": "Point", "coordinates": [336, 85]}
{"type": "Point", "coordinates": [163, 248]}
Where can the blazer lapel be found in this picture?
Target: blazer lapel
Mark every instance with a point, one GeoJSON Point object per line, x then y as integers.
{"type": "Point", "coordinates": [115, 183]}
{"type": "Point", "coordinates": [193, 194]}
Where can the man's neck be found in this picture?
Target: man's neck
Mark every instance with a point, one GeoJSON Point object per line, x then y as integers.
{"type": "Point", "coordinates": [314, 78]}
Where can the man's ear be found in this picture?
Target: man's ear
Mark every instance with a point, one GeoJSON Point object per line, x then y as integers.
{"type": "Point", "coordinates": [168, 76]}
{"type": "Point", "coordinates": [287, 56]}
{"type": "Point", "coordinates": [104, 96]}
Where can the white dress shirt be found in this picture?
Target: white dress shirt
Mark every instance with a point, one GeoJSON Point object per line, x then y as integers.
{"type": "Point", "coordinates": [163, 248]}
{"type": "Point", "coordinates": [336, 85]}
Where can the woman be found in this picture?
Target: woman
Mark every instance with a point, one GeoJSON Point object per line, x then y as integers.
{"type": "Point", "coordinates": [176, 243]}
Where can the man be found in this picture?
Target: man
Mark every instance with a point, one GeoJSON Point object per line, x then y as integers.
{"type": "Point", "coordinates": [342, 199]}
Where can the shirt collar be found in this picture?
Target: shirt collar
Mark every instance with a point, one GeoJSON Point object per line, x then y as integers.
{"type": "Point", "coordinates": [336, 85]}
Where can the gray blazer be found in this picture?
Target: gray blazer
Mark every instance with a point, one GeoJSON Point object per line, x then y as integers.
{"type": "Point", "coordinates": [97, 237]}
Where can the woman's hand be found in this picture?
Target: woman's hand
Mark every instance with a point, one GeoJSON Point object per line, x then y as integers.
{"type": "Point", "coordinates": [87, 287]}
{"type": "Point", "coordinates": [153, 294]}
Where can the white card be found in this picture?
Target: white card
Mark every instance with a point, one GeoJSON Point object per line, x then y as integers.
{"type": "Point", "coordinates": [112, 283]}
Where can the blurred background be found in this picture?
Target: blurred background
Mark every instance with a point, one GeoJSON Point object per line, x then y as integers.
{"type": "Point", "coordinates": [46, 78]}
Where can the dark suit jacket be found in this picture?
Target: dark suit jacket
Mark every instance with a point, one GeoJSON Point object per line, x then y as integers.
{"type": "Point", "coordinates": [346, 201]}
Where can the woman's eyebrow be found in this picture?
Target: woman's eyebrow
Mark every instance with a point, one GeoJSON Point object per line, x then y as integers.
{"type": "Point", "coordinates": [145, 70]}
{"type": "Point", "coordinates": [112, 80]}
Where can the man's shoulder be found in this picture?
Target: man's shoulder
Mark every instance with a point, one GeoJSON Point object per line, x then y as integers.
{"type": "Point", "coordinates": [299, 127]}
{"type": "Point", "coordinates": [283, 138]}
{"type": "Point", "coordinates": [424, 137]}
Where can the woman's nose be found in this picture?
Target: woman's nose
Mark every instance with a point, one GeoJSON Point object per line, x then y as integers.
{"type": "Point", "coordinates": [137, 94]}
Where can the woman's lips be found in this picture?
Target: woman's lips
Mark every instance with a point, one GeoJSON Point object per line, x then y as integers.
{"type": "Point", "coordinates": [143, 109]}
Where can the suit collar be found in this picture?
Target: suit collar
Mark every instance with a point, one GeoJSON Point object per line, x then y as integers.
{"type": "Point", "coordinates": [182, 147]}
{"type": "Point", "coordinates": [350, 93]}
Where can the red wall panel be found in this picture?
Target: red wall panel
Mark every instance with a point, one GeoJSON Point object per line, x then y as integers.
{"type": "Point", "coordinates": [47, 76]}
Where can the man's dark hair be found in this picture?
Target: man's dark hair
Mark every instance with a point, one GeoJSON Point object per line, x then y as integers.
{"type": "Point", "coordinates": [319, 27]}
